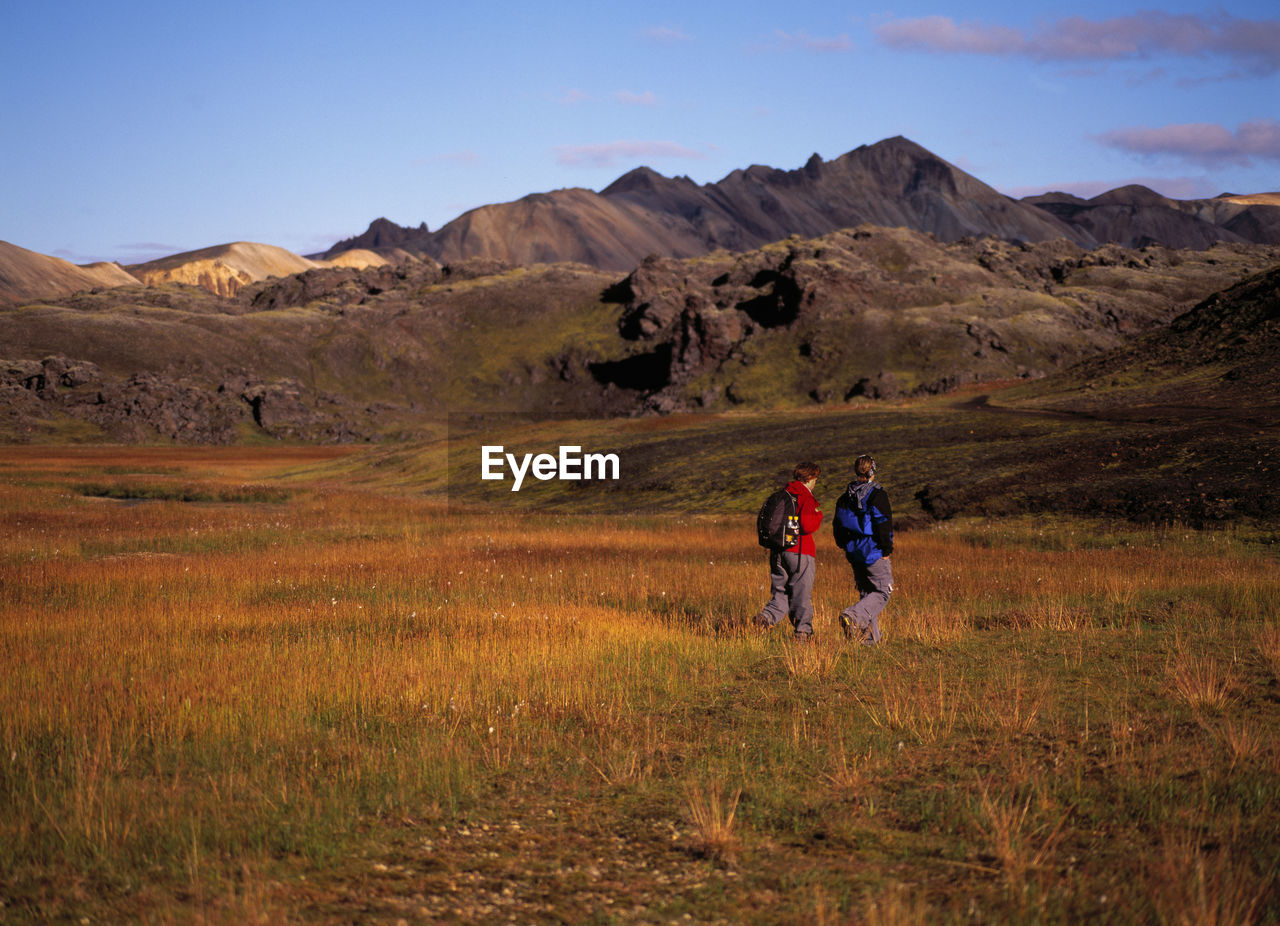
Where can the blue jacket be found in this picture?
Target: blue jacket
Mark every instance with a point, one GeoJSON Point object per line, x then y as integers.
{"type": "Point", "coordinates": [863, 523]}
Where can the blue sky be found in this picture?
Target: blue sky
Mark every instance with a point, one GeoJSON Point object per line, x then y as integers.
{"type": "Point", "coordinates": [137, 129]}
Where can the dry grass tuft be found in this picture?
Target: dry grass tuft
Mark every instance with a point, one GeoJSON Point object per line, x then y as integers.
{"type": "Point", "coordinates": [898, 905]}
{"type": "Point", "coordinates": [1020, 843]}
{"type": "Point", "coordinates": [920, 707]}
{"type": "Point", "coordinates": [1243, 738]}
{"type": "Point", "coordinates": [1269, 647]}
{"type": "Point", "coordinates": [813, 660]}
{"type": "Point", "coordinates": [713, 815]}
{"type": "Point", "coordinates": [1200, 681]}
{"type": "Point", "coordinates": [1197, 887]}
{"type": "Point", "coordinates": [1010, 704]}
{"type": "Point", "coordinates": [849, 773]}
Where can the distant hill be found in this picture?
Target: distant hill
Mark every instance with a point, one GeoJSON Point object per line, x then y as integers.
{"type": "Point", "coordinates": [1135, 216]}
{"type": "Point", "coordinates": [894, 183]}
{"type": "Point", "coordinates": [223, 269]}
{"type": "Point", "coordinates": [26, 276]}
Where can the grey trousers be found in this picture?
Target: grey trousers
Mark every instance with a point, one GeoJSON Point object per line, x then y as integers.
{"type": "Point", "coordinates": [875, 585]}
{"type": "Point", "coordinates": [791, 580]}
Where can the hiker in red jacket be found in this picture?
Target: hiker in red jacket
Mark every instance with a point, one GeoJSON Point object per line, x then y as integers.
{"type": "Point", "coordinates": [791, 570]}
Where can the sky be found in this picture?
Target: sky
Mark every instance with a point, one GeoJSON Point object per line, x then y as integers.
{"type": "Point", "coordinates": [133, 130]}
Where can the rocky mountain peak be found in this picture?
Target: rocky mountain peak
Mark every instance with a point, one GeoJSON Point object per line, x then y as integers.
{"type": "Point", "coordinates": [642, 178]}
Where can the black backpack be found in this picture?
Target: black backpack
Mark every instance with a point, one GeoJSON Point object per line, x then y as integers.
{"type": "Point", "coordinates": [778, 524]}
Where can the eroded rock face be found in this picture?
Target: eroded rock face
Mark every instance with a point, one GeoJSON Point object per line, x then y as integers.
{"type": "Point", "coordinates": [147, 403]}
{"type": "Point", "coordinates": [705, 318]}
{"type": "Point", "coordinates": [654, 296]}
{"type": "Point", "coordinates": [40, 376]}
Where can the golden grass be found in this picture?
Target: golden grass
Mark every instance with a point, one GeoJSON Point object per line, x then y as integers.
{"type": "Point", "coordinates": [200, 698]}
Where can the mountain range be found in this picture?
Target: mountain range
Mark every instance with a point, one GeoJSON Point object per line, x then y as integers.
{"type": "Point", "coordinates": [893, 183]}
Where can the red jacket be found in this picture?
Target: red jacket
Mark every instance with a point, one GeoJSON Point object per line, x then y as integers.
{"type": "Point", "coordinates": [810, 519]}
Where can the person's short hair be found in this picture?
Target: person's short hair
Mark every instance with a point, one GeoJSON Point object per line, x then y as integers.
{"type": "Point", "coordinates": [864, 467]}
{"type": "Point", "coordinates": [805, 471]}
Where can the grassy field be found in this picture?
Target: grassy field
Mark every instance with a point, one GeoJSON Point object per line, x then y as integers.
{"type": "Point", "coordinates": [235, 687]}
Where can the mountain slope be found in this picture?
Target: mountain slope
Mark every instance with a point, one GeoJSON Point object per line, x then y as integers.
{"type": "Point", "coordinates": [26, 276]}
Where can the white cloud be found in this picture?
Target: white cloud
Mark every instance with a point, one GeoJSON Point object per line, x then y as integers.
{"type": "Point", "coordinates": [574, 96]}
{"type": "Point", "coordinates": [667, 35]}
{"type": "Point", "coordinates": [802, 41]}
{"type": "Point", "coordinates": [142, 252]}
{"type": "Point", "coordinates": [611, 154]}
{"type": "Point", "coordinates": [636, 99]}
{"type": "Point", "coordinates": [1204, 143]}
{"type": "Point", "coordinates": [1250, 43]}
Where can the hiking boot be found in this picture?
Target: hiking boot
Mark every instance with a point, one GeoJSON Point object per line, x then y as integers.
{"type": "Point", "coordinates": [855, 634]}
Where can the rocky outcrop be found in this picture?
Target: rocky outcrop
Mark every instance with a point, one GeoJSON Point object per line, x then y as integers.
{"type": "Point", "coordinates": [1231, 338]}
{"type": "Point", "coordinates": [874, 313]}
{"type": "Point", "coordinates": [342, 286]}
{"type": "Point", "coordinates": [148, 406]}
{"type": "Point", "coordinates": [381, 236]}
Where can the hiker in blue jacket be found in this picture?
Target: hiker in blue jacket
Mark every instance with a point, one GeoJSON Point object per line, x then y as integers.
{"type": "Point", "coordinates": [863, 526]}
